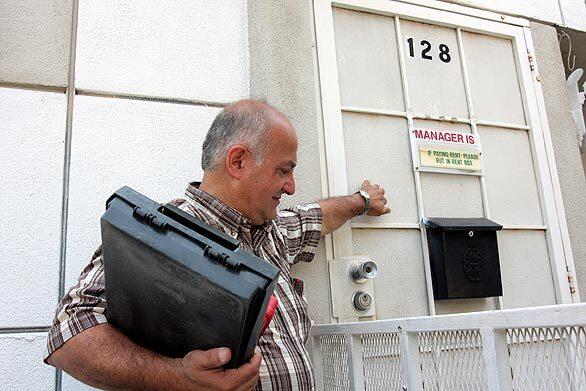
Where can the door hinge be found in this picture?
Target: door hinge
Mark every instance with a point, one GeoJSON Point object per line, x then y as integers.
{"type": "Point", "coordinates": [571, 280]}
{"type": "Point", "coordinates": [531, 58]}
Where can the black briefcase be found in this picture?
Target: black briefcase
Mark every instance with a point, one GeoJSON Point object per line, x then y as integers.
{"type": "Point", "coordinates": [175, 284]}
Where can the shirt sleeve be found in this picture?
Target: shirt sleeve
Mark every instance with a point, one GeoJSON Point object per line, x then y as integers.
{"type": "Point", "coordinates": [301, 230]}
{"type": "Point", "coordinates": [82, 307]}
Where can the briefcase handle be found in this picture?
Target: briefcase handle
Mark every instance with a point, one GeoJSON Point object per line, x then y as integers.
{"type": "Point", "coordinates": [132, 197]}
{"type": "Point", "coordinates": [198, 226]}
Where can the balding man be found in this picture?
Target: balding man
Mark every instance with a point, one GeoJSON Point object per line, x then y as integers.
{"type": "Point", "coordinates": [248, 159]}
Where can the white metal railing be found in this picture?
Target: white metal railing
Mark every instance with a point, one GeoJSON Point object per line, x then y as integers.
{"type": "Point", "coordinates": [538, 348]}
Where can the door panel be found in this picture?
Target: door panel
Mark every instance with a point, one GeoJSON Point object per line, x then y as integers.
{"type": "Point", "coordinates": [510, 177]}
{"type": "Point", "coordinates": [381, 145]}
{"type": "Point", "coordinates": [398, 287]}
{"type": "Point", "coordinates": [368, 65]}
{"type": "Point", "coordinates": [449, 195]}
{"type": "Point", "coordinates": [494, 84]}
{"type": "Point", "coordinates": [434, 75]}
{"type": "Point", "coordinates": [526, 272]}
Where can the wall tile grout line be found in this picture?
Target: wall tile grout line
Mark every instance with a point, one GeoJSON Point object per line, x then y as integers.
{"type": "Point", "coordinates": [23, 330]}
{"type": "Point", "coordinates": [33, 87]}
{"type": "Point", "coordinates": [149, 98]}
{"type": "Point", "coordinates": [114, 95]}
{"type": "Point", "coordinates": [67, 164]}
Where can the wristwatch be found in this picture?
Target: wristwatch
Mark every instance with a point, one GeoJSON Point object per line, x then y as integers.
{"type": "Point", "coordinates": [366, 199]}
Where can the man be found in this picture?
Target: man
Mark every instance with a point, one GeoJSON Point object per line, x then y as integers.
{"type": "Point", "coordinates": [248, 159]}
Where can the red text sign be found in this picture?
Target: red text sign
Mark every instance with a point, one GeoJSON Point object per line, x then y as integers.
{"type": "Point", "coordinates": [446, 137]}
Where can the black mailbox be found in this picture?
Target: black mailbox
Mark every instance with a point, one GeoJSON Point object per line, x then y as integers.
{"type": "Point", "coordinates": [464, 257]}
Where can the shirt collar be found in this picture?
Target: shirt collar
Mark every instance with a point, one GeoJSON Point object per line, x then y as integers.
{"type": "Point", "coordinates": [227, 215]}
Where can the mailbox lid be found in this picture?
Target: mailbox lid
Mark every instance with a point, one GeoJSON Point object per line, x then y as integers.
{"type": "Point", "coordinates": [461, 224]}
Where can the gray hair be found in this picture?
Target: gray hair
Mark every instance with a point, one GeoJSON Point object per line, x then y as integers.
{"type": "Point", "coordinates": [247, 124]}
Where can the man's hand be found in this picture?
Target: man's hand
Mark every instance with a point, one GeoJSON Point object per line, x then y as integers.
{"type": "Point", "coordinates": [204, 368]}
{"type": "Point", "coordinates": [378, 200]}
{"type": "Point", "coordinates": [103, 357]}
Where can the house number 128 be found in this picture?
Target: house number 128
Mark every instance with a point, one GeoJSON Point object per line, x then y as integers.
{"type": "Point", "coordinates": [444, 50]}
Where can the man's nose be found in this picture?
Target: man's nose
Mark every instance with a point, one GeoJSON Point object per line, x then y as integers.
{"type": "Point", "coordinates": [289, 186]}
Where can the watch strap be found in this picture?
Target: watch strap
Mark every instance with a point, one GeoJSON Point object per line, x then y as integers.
{"type": "Point", "coordinates": [366, 199]}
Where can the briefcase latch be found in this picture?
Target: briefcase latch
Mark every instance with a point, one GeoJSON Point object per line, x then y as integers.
{"type": "Point", "coordinates": [148, 218]}
{"type": "Point", "coordinates": [221, 258]}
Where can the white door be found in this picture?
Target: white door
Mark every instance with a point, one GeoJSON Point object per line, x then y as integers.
{"type": "Point", "coordinates": [387, 68]}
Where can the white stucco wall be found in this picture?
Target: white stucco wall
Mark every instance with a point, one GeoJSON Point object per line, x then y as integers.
{"type": "Point", "coordinates": [34, 41]}
{"type": "Point", "coordinates": [20, 366]}
{"type": "Point", "coordinates": [192, 49]}
{"type": "Point", "coordinates": [191, 58]}
{"type": "Point", "coordinates": [574, 14]}
{"type": "Point", "coordinates": [567, 13]}
{"type": "Point", "coordinates": [32, 130]}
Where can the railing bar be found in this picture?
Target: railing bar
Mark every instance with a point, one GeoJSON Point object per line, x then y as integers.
{"type": "Point", "coordinates": [365, 110]}
{"type": "Point", "coordinates": [418, 116]}
{"type": "Point", "coordinates": [504, 125]}
{"type": "Point", "coordinates": [453, 120]}
{"type": "Point", "coordinates": [496, 359]}
{"type": "Point", "coordinates": [525, 227]}
{"type": "Point", "coordinates": [317, 362]}
{"type": "Point", "coordinates": [560, 315]}
{"type": "Point", "coordinates": [355, 367]}
{"type": "Point", "coordinates": [410, 360]}
{"type": "Point", "coordinates": [369, 225]}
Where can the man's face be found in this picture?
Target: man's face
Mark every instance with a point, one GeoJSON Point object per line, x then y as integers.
{"type": "Point", "coordinates": [271, 179]}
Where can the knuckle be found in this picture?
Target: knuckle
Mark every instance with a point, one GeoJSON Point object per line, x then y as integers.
{"type": "Point", "coordinates": [188, 359]}
{"type": "Point", "coordinates": [191, 360]}
{"type": "Point", "coordinates": [209, 356]}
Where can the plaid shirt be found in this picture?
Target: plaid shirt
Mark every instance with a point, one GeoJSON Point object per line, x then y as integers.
{"type": "Point", "coordinates": [290, 238]}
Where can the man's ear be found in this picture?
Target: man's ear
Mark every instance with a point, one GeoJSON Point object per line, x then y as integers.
{"type": "Point", "coordinates": [236, 160]}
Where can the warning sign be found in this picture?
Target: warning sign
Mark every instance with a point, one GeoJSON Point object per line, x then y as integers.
{"type": "Point", "coordinates": [446, 158]}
